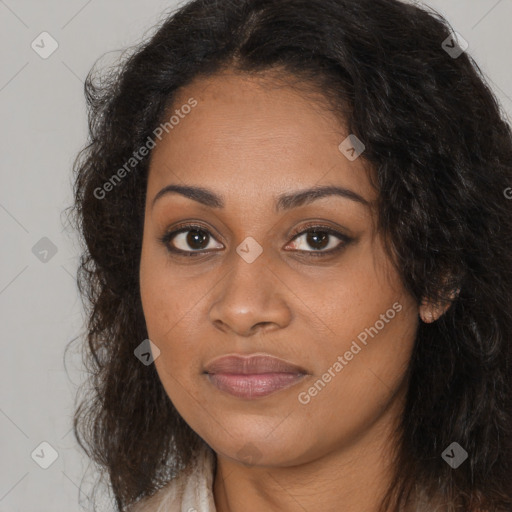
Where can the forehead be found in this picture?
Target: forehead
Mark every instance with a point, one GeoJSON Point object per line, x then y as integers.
{"type": "Point", "coordinates": [254, 132]}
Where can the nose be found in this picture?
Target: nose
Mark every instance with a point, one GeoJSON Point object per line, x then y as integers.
{"type": "Point", "coordinates": [250, 299]}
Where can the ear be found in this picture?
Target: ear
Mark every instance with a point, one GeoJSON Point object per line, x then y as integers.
{"type": "Point", "coordinates": [430, 311]}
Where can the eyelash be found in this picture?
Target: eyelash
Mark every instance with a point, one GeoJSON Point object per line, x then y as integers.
{"type": "Point", "coordinates": [344, 239]}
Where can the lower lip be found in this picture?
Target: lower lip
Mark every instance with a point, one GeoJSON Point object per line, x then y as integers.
{"type": "Point", "coordinates": [253, 386]}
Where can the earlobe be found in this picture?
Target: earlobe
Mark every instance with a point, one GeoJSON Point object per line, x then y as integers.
{"type": "Point", "coordinates": [427, 313]}
{"type": "Point", "coordinates": [430, 311]}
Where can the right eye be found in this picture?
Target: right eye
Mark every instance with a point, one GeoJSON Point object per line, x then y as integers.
{"type": "Point", "coordinates": [188, 240]}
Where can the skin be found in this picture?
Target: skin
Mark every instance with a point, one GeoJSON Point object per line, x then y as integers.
{"type": "Point", "coordinates": [249, 140]}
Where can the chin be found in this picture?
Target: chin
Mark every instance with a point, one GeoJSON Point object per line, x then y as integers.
{"type": "Point", "coordinates": [253, 449]}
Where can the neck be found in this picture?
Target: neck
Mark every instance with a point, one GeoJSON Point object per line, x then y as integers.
{"type": "Point", "coordinates": [351, 477]}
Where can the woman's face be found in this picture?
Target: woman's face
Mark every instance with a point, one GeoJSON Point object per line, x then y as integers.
{"type": "Point", "coordinates": [261, 281]}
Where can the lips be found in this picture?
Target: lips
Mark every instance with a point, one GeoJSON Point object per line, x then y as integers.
{"type": "Point", "coordinates": [252, 365]}
{"type": "Point", "coordinates": [250, 377]}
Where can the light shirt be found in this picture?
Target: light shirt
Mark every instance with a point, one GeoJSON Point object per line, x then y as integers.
{"type": "Point", "coordinates": [191, 491]}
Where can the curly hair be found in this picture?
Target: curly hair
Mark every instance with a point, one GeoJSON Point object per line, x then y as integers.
{"type": "Point", "coordinates": [441, 150]}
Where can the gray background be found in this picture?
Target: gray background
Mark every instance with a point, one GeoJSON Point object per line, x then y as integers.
{"type": "Point", "coordinates": [42, 108]}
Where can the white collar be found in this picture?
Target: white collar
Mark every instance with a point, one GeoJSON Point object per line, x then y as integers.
{"type": "Point", "coordinates": [191, 491]}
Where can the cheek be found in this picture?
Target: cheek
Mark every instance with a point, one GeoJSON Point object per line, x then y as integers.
{"type": "Point", "coordinates": [166, 300]}
{"type": "Point", "coordinates": [368, 327]}
{"type": "Point", "coordinates": [171, 324]}
{"type": "Point", "coordinates": [344, 301]}
{"type": "Point", "coordinates": [363, 366]}
{"type": "Point", "coordinates": [171, 305]}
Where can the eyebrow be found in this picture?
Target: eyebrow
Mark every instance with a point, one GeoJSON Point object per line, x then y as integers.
{"type": "Point", "coordinates": [285, 201]}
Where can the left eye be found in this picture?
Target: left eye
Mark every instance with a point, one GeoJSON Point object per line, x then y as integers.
{"type": "Point", "coordinates": [321, 240]}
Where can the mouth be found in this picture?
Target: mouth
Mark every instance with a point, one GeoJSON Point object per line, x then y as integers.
{"type": "Point", "coordinates": [255, 376]}
{"type": "Point", "coordinates": [253, 386]}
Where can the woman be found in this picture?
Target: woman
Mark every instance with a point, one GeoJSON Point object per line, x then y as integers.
{"type": "Point", "coordinates": [298, 265]}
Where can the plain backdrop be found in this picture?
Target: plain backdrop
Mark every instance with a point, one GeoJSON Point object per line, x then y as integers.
{"type": "Point", "coordinates": [44, 125]}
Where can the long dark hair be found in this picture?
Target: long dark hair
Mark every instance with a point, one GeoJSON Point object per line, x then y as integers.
{"type": "Point", "coordinates": [442, 154]}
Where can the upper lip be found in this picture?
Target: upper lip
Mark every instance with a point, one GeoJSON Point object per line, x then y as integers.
{"type": "Point", "coordinates": [253, 364]}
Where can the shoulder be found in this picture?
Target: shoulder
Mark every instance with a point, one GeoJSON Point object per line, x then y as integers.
{"type": "Point", "coordinates": [191, 489]}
